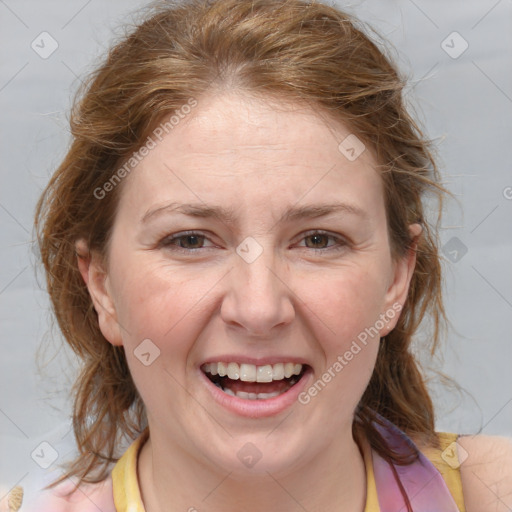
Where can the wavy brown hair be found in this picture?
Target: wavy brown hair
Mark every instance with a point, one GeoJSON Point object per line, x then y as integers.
{"type": "Point", "coordinates": [302, 52]}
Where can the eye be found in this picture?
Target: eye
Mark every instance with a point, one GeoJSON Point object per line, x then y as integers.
{"type": "Point", "coordinates": [192, 241]}
{"type": "Point", "coordinates": [319, 240]}
{"type": "Point", "coordinates": [188, 241]}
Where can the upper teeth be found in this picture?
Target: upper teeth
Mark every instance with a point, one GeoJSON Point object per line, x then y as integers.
{"type": "Point", "coordinates": [251, 373]}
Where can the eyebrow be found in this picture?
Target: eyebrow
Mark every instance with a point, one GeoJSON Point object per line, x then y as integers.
{"type": "Point", "coordinates": [228, 215]}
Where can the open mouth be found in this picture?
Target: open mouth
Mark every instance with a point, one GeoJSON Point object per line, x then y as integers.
{"type": "Point", "coordinates": [251, 382]}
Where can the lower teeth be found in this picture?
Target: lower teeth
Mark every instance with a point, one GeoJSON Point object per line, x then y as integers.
{"type": "Point", "coordinates": [252, 396]}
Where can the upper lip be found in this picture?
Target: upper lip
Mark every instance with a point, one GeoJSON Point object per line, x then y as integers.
{"type": "Point", "coordinates": [257, 361]}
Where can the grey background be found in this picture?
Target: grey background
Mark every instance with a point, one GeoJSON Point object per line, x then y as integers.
{"type": "Point", "coordinates": [465, 103]}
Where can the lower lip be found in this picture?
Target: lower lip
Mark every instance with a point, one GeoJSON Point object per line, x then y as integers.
{"type": "Point", "coordinates": [257, 408]}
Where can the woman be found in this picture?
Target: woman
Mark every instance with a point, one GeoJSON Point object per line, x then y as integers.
{"type": "Point", "coordinates": [236, 247]}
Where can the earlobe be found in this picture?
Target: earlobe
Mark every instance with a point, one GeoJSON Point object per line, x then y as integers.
{"type": "Point", "coordinates": [403, 272]}
{"type": "Point", "coordinates": [95, 277]}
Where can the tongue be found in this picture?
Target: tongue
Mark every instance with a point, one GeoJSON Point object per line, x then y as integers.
{"type": "Point", "coordinates": [279, 386]}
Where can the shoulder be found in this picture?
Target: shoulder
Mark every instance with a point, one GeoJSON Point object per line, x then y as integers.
{"type": "Point", "coordinates": [480, 470]}
{"type": "Point", "coordinates": [66, 497]}
{"type": "Point", "coordinates": [486, 472]}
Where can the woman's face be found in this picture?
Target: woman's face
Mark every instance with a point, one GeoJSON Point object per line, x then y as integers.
{"type": "Point", "coordinates": [247, 236]}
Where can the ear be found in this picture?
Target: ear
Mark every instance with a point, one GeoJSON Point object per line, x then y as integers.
{"type": "Point", "coordinates": [396, 294]}
{"type": "Point", "coordinates": [96, 279]}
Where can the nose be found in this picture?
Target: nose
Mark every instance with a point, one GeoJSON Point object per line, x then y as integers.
{"type": "Point", "coordinates": [258, 298]}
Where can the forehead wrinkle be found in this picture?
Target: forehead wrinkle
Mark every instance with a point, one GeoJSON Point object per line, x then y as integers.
{"type": "Point", "coordinates": [228, 215]}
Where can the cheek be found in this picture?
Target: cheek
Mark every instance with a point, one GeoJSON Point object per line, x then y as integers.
{"type": "Point", "coordinates": [344, 303]}
{"type": "Point", "coordinates": [167, 306]}
{"type": "Point", "coordinates": [343, 309]}
{"type": "Point", "coordinates": [171, 312]}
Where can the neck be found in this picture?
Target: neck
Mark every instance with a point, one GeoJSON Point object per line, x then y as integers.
{"type": "Point", "coordinates": [334, 481]}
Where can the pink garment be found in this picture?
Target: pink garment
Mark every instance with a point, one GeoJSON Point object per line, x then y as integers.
{"type": "Point", "coordinates": [423, 484]}
{"type": "Point", "coordinates": [87, 498]}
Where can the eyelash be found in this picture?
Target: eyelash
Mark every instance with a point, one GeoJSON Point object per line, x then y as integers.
{"type": "Point", "coordinates": [169, 241]}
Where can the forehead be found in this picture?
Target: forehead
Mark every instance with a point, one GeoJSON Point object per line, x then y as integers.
{"type": "Point", "coordinates": [240, 149]}
{"type": "Point", "coordinates": [243, 126]}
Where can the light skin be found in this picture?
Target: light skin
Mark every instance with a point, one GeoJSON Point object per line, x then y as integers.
{"type": "Point", "coordinates": [244, 154]}
{"type": "Point", "coordinates": [486, 473]}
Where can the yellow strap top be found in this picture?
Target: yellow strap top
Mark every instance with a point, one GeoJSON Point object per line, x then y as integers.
{"type": "Point", "coordinates": [446, 461]}
{"type": "Point", "coordinates": [125, 483]}
{"type": "Point", "coordinates": [127, 496]}
{"type": "Point", "coordinates": [372, 502]}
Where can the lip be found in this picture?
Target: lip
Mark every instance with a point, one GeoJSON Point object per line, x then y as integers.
{"type": "Point", "coordinates": [257, 408]}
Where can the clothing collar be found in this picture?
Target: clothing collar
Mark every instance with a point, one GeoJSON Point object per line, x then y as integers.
{"type": "Point", "coordinates": [422, 482]}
